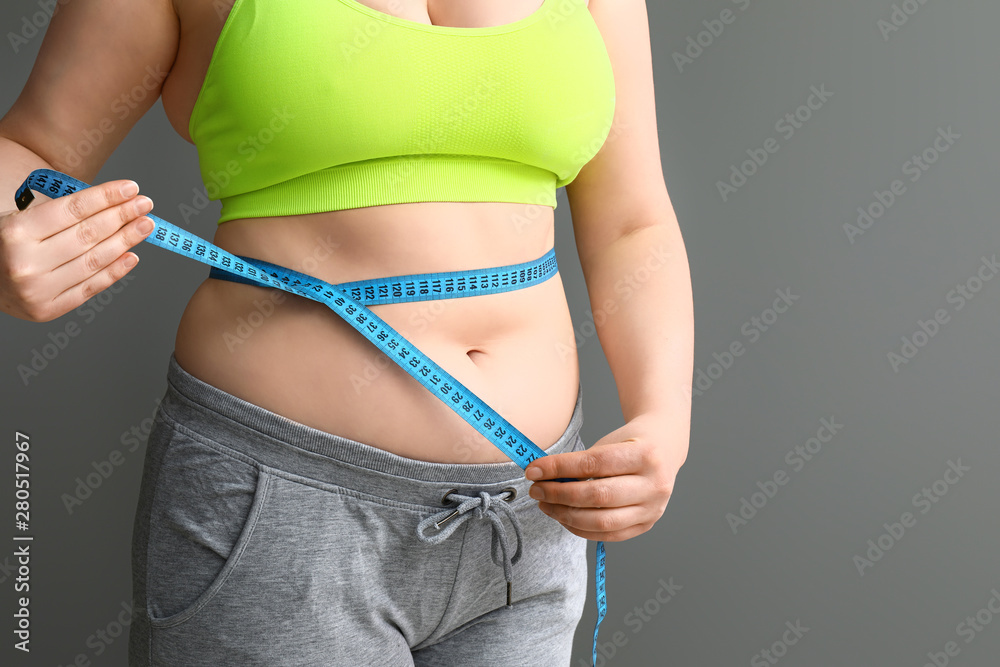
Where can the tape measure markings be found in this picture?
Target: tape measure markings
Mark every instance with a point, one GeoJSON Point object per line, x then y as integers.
{"type": "Point", "coordinates": [476, 412]}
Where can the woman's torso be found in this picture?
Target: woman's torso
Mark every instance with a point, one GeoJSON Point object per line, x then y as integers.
{"type": "Point", "coordinates": [515, 350]}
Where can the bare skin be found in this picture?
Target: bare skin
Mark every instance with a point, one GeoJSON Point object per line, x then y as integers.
{"type": "Point", "coordinates": [516, 350]}
{"type": "Point", "coordinates": [309, 365]}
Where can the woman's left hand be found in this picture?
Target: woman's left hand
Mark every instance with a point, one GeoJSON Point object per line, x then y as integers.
{"type": "Point", "coordinates": [626, 479]}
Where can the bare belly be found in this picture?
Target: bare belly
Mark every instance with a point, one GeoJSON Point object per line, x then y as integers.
{"type": "Point", "coordinates": [297, 358]}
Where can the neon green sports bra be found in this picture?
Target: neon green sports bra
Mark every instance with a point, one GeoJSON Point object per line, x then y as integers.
{"type": "Point", "coordinates": [321, 105]}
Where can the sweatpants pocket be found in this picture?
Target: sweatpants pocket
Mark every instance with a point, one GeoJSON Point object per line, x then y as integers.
{"type": "Point", "coordinates": [204, 510]}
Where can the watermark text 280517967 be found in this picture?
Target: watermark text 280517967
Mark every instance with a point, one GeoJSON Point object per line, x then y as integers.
{"type": "Point", "coordinates": [22, 552]}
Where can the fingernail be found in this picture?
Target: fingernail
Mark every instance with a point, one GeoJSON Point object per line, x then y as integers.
{"type": "Point", "coordinates": [145, 226]}
{"type": "Point", "coordinates": [131, 261]}
{"type": "Point", "coordinates": [533, 473]}
{"type": "Point", "coordinates": [143, 205]}
{"type": "Point", "coordinates": [536, 492]}
{"type": "Point", "coordinates": [130, 189]}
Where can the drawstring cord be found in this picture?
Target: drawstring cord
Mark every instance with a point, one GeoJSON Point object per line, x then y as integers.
{"type": "Point", "coordinates": [485, 507]}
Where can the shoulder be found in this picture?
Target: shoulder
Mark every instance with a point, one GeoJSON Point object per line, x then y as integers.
{"type": "Point", "coordinates": [623, 187]}
{"type": "Point", "coordinates": [95, 76]}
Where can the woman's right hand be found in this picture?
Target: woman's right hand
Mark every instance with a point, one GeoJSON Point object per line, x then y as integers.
{"type": "Point", "coordinates": [57, 254]}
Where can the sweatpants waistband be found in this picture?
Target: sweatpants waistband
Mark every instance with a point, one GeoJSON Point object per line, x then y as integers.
{"type": "Point", "coordinates": [208, 413]}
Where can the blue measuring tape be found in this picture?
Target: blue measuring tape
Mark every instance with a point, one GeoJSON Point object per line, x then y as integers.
{"type": "Point", "coordinates": [420, 286]}
{"type": "Point", "coordinates": [348, 300]}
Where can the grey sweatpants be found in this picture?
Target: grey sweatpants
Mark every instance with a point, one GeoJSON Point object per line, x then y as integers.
{"type": "Point", "coordinates": [259, 541]}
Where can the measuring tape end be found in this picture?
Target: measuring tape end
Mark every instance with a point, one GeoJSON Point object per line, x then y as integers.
{"type": "Point", "coordinates": [23, 198]}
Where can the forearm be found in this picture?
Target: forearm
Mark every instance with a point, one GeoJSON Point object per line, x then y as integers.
{"type": "Point", "coordinates": [16, 162]}
{"type": "Point", "coordinates": [640, 292]}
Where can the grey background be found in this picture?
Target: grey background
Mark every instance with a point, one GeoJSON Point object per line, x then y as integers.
{"type": "Point", "coordinates": [826, 357]}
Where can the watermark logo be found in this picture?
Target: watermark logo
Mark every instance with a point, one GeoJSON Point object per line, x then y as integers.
{"type": "Point", "coordinates": [895, 531]}
{"type": "Point", "coordinates": [786, 126]}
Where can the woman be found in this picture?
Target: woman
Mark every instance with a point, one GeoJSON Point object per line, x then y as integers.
{"type": "Point", "coordinates": [292, 469]}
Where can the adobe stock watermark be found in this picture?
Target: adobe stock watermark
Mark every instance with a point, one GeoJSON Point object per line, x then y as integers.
{"type": "Point", "coordinates": [606, 136]}
{"type": "Point", "coordinates": [450, 118]}
{"type": "Point", "coordinates": [562, 10]}
{"type": "Point", "coordinates": [249, 147]}
{"type": "Point", "coordinates": [898, 17]}
{"type": "Point", "coordinates": [100, 471]}
{"type": "Point", "coordinates": [636, 619]}
{"type": "Point", "coordinates": [752, 329]}
{"type": "Point", "coordinates": [541, 208]}
{"type": "Point", "coordinates": [915, 168]}
{"type": "Point", "coordinates": [60, 339]}
{"type": "Point", "coordinates": [474, 444]}
{"type": "Point", "coordinates": [32, 25]}
{"type": "Point", "coordinates": [796, 458]}
{"type": "Point", "coordinates": [378, 361]}
{"type": "Point", "coordinates": [121, 107]}
{"type": "Point", "coordinates": [625, 288]}
{"type": "Point", "coordinates": [264, 308]}
{"type": "Point", "coordinates": [923, 501]}
{"type": "Point", "coordinates": [968, 630]}
{"type": "Point", "coordinates": [779, 648]}
{"type": "Point", "coordinates": [103, 637]}
{"type": "Point", "coordinates": [223, 8]}
{"type": "Point", "coordinates": [786, 126]}
{"type": "Point", "coordinates": [959, 295]}
{"type": "Point", "coordinates": [364, 36]}
{"type": "Point", "coordinates": [714, 28]}
{"type": "Point", "coordinates": [7, 569]}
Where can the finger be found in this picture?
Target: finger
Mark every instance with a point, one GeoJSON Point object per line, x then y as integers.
{"type": "Point", "coordinates": [78, 206]}
{"type": "Point", "coordinates": [613, 536]}
{"type": "Point", "coordinates": [102, 255]}
{"type": "Point", "coordinates": [79, 293]}
{"type": "Point", "coordinates": [603, 492]}
{"type": "Point", "coordinates": [74, 241]}
{"type": "Point", "coordinates": [617, 536]}
{"type": "Point", "coordinates": [598, 461]}
{"type": "Point", "coordinates": [594, 520]}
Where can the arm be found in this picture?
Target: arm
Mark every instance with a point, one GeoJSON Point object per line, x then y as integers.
{"type": "Point", "coordinates": [78, 102]}
{"type": "Point", "coordinates": [74, 110]}
{"type": "Point", "coordinates": [635, 265]}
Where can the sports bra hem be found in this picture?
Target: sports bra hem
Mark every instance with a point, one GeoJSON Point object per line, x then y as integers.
{"type": "Point", "coordinates": [397, 180]}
